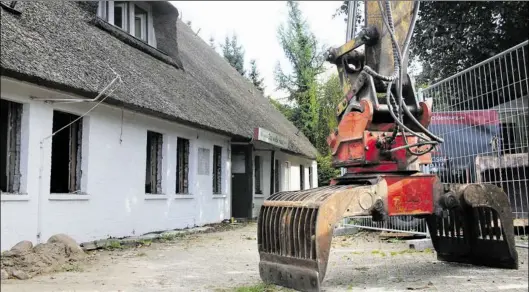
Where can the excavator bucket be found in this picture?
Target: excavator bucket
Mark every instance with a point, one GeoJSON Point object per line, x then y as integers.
{"type": "Point", "coordinates": [295, 230]}
{"type": "Point", "coordinates": [471, 224]}
{"type": "Point", "coordinates": [475, 226]}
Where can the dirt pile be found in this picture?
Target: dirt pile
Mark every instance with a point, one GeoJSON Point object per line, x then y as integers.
{"type": "Point", "coordinates": [24, 261]}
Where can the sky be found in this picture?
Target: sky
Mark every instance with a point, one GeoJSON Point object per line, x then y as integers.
{"type": "Point", "coordinates": [256, 24]}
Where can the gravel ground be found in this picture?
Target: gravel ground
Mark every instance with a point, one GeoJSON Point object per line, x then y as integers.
{"type": "Point", "coordinates": [223, 261]}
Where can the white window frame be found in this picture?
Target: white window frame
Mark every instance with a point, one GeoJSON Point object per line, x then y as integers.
{"type": "Point", "coordinates": [143, 19]}
{"type": "Point", "coordinates": [286, 176]}
{"type": "Point", "coordinates": [124, 8]}
{"type": "Point", "coordinates": [106, 12]}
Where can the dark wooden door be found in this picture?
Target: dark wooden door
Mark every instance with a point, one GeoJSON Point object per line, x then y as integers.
{"type": "Point", "coordinates": [241, 181]}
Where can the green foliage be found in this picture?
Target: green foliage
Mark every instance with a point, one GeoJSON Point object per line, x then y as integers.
{"type": "Point", "coordinates": [331, 93]}
{"type": "Point", "coordinates": [325, 170]}
{"type": "Point", "coordinates": [360, 14]}
{"type": "Point", "coordinates": [451, 36]}
{"type": "Point", "coordinates": [234, 53]}
{"type": "Point", "coordinates": [301, 49]}
{"type": "Point", "coordinates": [255, 76]}
{"type": "Point", "coordinates": [312, 104]}
{"type": "Point", "coordinates": [286, 110]}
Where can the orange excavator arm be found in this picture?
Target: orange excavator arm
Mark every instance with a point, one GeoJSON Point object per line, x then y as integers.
{"type": "Point", "coordinates": [382, 139]}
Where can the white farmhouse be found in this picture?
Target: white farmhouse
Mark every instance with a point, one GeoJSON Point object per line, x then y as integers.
{"type": "Point", "coordinates": [117, 120]}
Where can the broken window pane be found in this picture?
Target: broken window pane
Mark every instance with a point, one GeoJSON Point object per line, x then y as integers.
{"type": "Point", "coordinates": [153, 173]}
{"type": "Point", "coordinates": [182, 166]}
{"type": "Point", "coordinates": [11, 118]}
{"type": "Point", "coordinates": [66, 153]}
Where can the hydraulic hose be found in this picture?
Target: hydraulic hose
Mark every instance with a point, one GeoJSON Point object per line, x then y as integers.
{"type": "Point", "coordinates": [388, 21]}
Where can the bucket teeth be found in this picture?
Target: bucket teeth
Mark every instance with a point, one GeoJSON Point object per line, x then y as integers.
{"type": "Point", "coordinates": [478, 230]}
{"type": "Point", "coordinates": [295, 232]}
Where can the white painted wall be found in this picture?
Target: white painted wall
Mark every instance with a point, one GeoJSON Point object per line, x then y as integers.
{"type": "Point", "coordinates": [113, 166]}
{"type": "Point", "coordinates": [292, 172]}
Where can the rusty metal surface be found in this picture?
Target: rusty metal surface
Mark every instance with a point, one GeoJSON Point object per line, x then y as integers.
{"type": "Point", "coordinates": [474, 225]}
{"type": "Point", "coordinates": [295, 231]}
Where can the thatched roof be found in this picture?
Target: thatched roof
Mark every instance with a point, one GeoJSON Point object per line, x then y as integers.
{"type": "Point", "coordinates": [63, 45]}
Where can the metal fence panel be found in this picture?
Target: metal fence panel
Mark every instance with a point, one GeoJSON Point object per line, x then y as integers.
{"type": "Point", "coordinates": [482, 114]}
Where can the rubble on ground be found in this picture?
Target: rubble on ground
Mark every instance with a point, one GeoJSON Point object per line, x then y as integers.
{"type": "Point", "coordinates": [24, 261]}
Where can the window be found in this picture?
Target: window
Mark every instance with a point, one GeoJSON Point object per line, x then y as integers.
{"type": "Point", "coordinates": [120, 15]}
{"type": "Point", "coordinates": [11, 118]}
{"type": "Point", "coordinates": [182, 166]}
{"type": "Point", "coordinates": [286, 178]}
{"type": "Point", "coordinates": [276, 176]}
{"type": "Point", "coordinates": [257, 174]}
{"type": "Point", "coordinates": [133, 17]}
{"type": "Point", "coordinates": [217, 169]}
{"type": "Point", "coordinates": [140, 23]}
{"type": "Point", "coordinates": [153, 172]}
{"type": "Point", "coordinates": [301, 177]}
{"type": "Point", "coordinates": [66, 153]}
{"type": "Point", "coordinates": [310, 178]}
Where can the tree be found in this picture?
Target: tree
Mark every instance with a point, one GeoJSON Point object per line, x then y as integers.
{"type": "Point", "coordinates": [285, 109]}
{"type": "Point", "coordinates": [301, 49]}
{"type": "Point", "coordinates": [234, 53]}
{"type": "Point", "coordinates": [255, 76]}
{"type": "Point", "coordinates": [343, 10]}
{"type": "Point", "coordinates": [452, 36]}
{"type": "Point", "coordinates": [331, 93]}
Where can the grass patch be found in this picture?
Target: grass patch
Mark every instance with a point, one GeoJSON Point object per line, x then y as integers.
{"type": "Point", "coordinates": [113, 245]}
{"type": "Point", "coordinates": [378, 252]}
{"type": "Point", "coordinates": [405, 251]}
{"type": "Point", "coordinates": [72, 268]}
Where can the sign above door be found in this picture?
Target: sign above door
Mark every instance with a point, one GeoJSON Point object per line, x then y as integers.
{"type": "Point", "coordinates": [269, 137]}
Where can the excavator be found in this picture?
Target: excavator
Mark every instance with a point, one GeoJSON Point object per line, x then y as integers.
{"type": "Point", "coordinates": [382, 140]}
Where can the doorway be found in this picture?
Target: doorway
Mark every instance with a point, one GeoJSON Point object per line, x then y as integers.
{"type": "Point", "coordinates": [241, 181]}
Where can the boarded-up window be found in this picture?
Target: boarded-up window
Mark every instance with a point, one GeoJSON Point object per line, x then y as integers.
{"type": "Point", "coordinates": [301, 177]}
{"type": "Point", "coordinates": [182, 166]}
{"type": "Point", "coordinates": [217, 169]}
{"type": "Point", "coordinates": [257, 174]}
{"type": "Point", "coordinates": [66, 153]}
{"type": "Point", "coordinates": [11, 118]}
{"type": "Point", "coordinates": [153, 172]}
{"type": "Point", "coordinates": [276, 176]}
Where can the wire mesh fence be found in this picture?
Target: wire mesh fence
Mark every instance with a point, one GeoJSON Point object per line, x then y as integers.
{"type": "Point", "coordinates": [482, 114]}
{"type": "Point", "coordinates": [401, 224]}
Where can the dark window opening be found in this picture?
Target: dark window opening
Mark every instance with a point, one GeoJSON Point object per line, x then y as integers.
{"type": "Point", "coordinates": [276, 176]}
{"type": "Point", "coordinates": [120, 14]}
{"type": "Point", "coordinates": [66, 153]}
{"type": "Point", "coordinates": [257, 174]}
{"type": "Point", "coordinates": [182, 166]}
{"type": "Point", "coordinates": [310, 178]}
{"type": "Point", "coordinates": [217, 169]}
{"type": "Point", "coordinates": [301, 177]}
{"type": "Point", "coordinates": [153, 172]}
{"type": "Point", "coordinates": [11, 118]}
